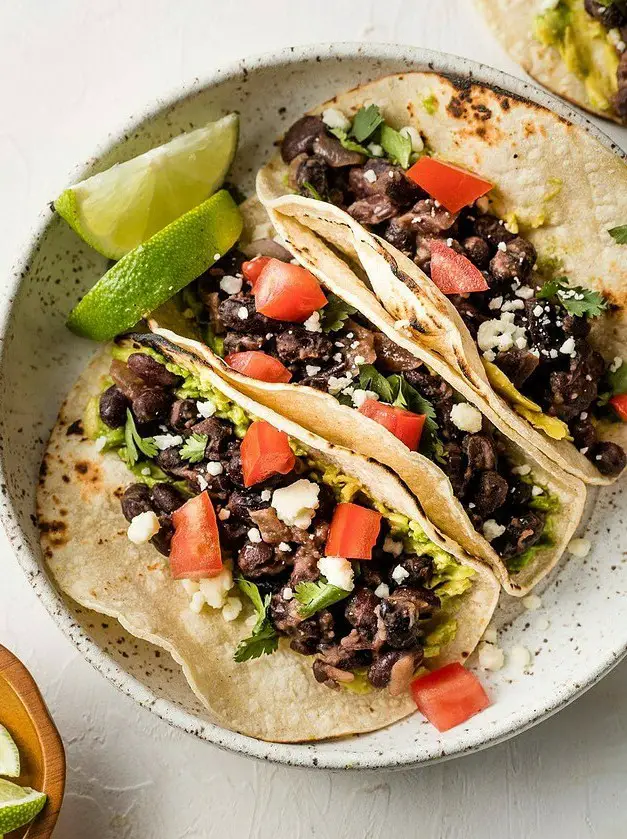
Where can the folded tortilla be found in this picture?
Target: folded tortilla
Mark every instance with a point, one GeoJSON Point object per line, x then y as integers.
{"type": "Point", "coordinates": [560, 185]}
{"type": "Point", "coordinates": [86, 548]}
{"type": "Point", "coordinates": [322, 414]}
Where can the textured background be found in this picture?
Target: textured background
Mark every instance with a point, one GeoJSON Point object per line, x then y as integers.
{"type": "Point", "coordinates": [69, 71]}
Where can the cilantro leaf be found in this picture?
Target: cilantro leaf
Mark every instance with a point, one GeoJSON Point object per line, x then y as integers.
{"type": "Point", "coordinates": [371, 379]}
{"type": "Point", "coordinates": [617, 380]}
{"type": "Point", "coordinates": [194, 447]}
{"type": "Point", "coordinates": [619, 234]}
{"type": "Point", "coordinates": [133, 441]}
{"type": "Point", "coordinates": [349, 145]}
{"type": "Point", "coordinates": [335, 313]}
{"type": "Point", "coordinates": [311, 189]}
{"type": "Point", "coordinates": [577, 301]}
{"type": "Point", "coordinates": [366, 122]}
{"type": "Point", "coordinates": [263, 640]}
{"type": "Point", "coordinates": [316, 596]}
{"type": "Point", "coordinates": [397, 147]}
{"type": "Point", "coordinates": [406, 396]}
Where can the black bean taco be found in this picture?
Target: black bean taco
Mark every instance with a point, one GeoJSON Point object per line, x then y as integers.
{"type": "Point", "coordinates": [298, 584]}
{"type": "Point", "coordinates": [313, 343]}
{"type": "Point", "coordinates": [494, 234]}
{"type": "Point", "coordinates": [574, 47]}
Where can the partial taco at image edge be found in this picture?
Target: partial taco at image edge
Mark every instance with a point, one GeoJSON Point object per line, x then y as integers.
{"type": "Point", "coordinates": [511, 268]}
{"type": "Point", "coordinates": [255, 518]}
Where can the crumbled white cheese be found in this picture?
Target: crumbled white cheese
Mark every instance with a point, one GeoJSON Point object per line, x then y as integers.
{"type": "Point", "coordinates": [525, 292]}
{"type": "Point", "coordinates": [532, 602]}
{"type": "Point", "coordinates": [370, 175]}
{"type": "Point", "coordinates": [496, 302]}
{"type": "Point", "coordinates": [536, 491]}
{"type": "Point", "coordinates": [338, 571]}
{"type": "Point", "coordinates": [513, 306]}
{"type": "Point", "coordinates": [375, 149]}
{"type": "Point", "coordinates": [616, 364]}
{"type": "Point", "coordinates": [206, 409]}
{"type": "Point", "coordinates": [360, 396]}
{"type": "Point", "coordinates": [215, 589]}
{"type": "Point", "coordinates": [615, 38]}
{"type": "Point", "coordinates": [312, 369]}
{"type": "Point", "coordinates": [254, 535]}
{"type": "Point", "coordinates": [392, 547]}
{"type": "Point", "coordinates": [214, 468]}
{"type": "Point", "coordinates": [242, 313]}
{"type": "Point", "coordinates": [146, 471]}
{"type": "Point", "coordinates": [538, 311]}
{"type": "Point", "coordinates": [231, 608]}
{"type": "Point", "coordinates": [359, 359]}
{"type": "Point", "coordinates": [231, 285]}
{"type": "Point", "coordinates": [287, 593]}
{"type": "Point", "coordinates": [483, 204]}
{"type": "Point", "coordinates": [413, 135]}
{"type": "Point", "coordinates": [466, 417]}
{"type": "Point", "coordinates": [197, 602]}
{"type": "Point", "coordinates": [579, 547]}
{"type": "Point", "coordinates": [312, 324]}
{"type": "Point", "coordinates": [338, 383]}
{"type": "Point", "coordinates": [525, 469]}
{"type": "Point", "coordinates": [224, 514]}
{"type": "Point", "coordinates": [491, 657]}
{"type": "Point", "coordinates": [382, 590]}
{"type": "Point", "coordinates": [334, 118]}
{"type": "Point", "coordinates": [266, 494]}
{"type": "Point", "coordinates": [297, 503]}
{"type": "Point", "coordinates": [492, 529]}
{"type": "Point", "coordinates": [568, 346]}
{"type": "Point", "coordinates": [190, 586]}
{"type": "Point", "coordinates": [502, 247]}
{"type": "Point", "coordinates": [519, 658]}
{"type": "Point", "coordinates": [500, 334]}
{"type": "Point", "coordinates": [283, 546]}
{"type": "Point", "coordinates": [490, 635]}
{"type": "Point", "coordinates": [143, 527]}
{"type": "Point", "coordinates": [167, 441]}
{"type": "Point", "coordinates": [399, 574]}
{"type": "Point", "coordinates": [202, 482]}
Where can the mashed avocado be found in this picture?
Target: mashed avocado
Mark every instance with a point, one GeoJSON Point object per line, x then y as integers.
{"type": "Point", "coordinates": [585, 48]}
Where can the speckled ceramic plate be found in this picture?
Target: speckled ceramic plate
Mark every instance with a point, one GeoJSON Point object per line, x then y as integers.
{"type": "Point", "coordinates": [575, 638]}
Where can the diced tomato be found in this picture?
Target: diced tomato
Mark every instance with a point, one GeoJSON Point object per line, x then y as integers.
{"type": "Point", "coordinates": [619, 403]}
{"type": "Point", "coordinates": [452, 272]}
{"type": "Point", "coordinates": [253, 268]}
{"type": "Point", "coordinates": [453, 187]}
{"type": "Point", "coordinates": [403, 424]}
{"type": "Point", "coordinates": [258, 365]}
{"type": "Point", "coordinates": [449, 696]}
{"type": "Point", "coordinates": [353, 533]}
{"type": "Point", "coordinates": [195, 550]}
{"type": "Point", "coordinates": [287, 292]}
{"type": "Point", "coordinates": [265, 451]}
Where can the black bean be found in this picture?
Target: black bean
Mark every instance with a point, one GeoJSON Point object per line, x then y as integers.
{"type": "Point", "coordinates": [609, 458]}
{"type": "Point", "coordinates": [113, 405]}
{"type": "Point", "coordinates": [136, 500]}
{"type": "Point", "coordinates": [151, 371]}
{"type": "Point", "coordinates": [300, 137]}
{"type": "Point", "coordinates": [167, 498]}
{"type": "Point", "coordinates": [152, 405]}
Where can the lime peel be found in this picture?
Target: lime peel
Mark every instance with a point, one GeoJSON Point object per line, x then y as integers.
{"type": "Point", "coordinates": [116, 210]}
{"type": "Point", "coordinates": [18, 805]}
{"type": "Point", "coordinates": [154, 272]}
{"type": "Point", "coordinates": [9, 755]}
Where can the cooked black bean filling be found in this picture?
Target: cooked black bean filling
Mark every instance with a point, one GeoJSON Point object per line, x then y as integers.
{"type": "Point", "coordinates": [364, 630]}
{"type": "Point", "coordinates": [614, 16]}
{"type": "Point", "coordinates": [564, 383]}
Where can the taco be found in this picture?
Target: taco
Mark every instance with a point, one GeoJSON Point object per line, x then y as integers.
{"type": "Point", "coordinates": [574, 47]}
{"type": "Point", "coordinates": [512, 269]}
{"type": "Point", "coordinates": [331, 359]}
{"type": "Point", "coordinates": [269, 563]}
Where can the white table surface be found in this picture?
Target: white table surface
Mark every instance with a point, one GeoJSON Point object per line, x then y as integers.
{"type": "Point", "coordinates": [69, 71]}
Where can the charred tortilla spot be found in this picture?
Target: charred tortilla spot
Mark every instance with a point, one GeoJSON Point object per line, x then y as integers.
{"type": "Point", "coordinates": [52, 526]}
{"type": "Point", "coordinates": [75, 428]}
{"type": "Point", "coordinates": [65, 479]}
{"type": "Point", "coordinates": [82, 467]}
{"type": "Point", "coordinates": [43, 469]}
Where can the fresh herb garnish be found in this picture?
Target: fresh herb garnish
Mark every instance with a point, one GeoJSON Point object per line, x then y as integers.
{"type": "Point", "coordinates": [619, 234]}
{"type": "Point", "coordinates": [366, 122]}
{"type": "Point", "coordinates": [345, 140]}
{"type": "Point", "coordinates": [577, 301]}
{"type": "Point", "coordinates": [371, 379]}
{"type": "Point", "coordinates": [133, 442]}
{"type": "Point", "coordinates": [335, 313]}
{"type": "Point", "coordinates": [311, 189]}
{"type": "Point", "coordinates": [263, 640]}
{"type": "Point", "coordinates": [616, 382]}
{"type": "Point", "coordinates": [194, 447]}
{"type": "Point", "coordinates": [316, 596]}
{"type": "Point", "coordinates": [396, 146]}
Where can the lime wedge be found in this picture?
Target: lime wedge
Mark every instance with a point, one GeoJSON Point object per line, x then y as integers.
{"type": "Point", "coordinates": [18, 805]}
{"type": "Point", "coordinates": [155, 271]}
{"type": "Point", "coordinates": [9, 755]}
{"type": "Point", "coordinates": [117, 210]}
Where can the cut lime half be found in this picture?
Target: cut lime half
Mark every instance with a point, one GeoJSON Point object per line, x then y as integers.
{"type": "Point", "coordinates": [154, 272]}
{"type": "Point", "coordinates": [18, 805]}
{"type": "Point", "coordinates": [117, 210]}
{"type": "Point", "coordinates": [9, 755]}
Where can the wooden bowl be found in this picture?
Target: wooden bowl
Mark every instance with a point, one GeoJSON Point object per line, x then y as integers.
{"type": "Point", "coordinates": [24, 713]}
